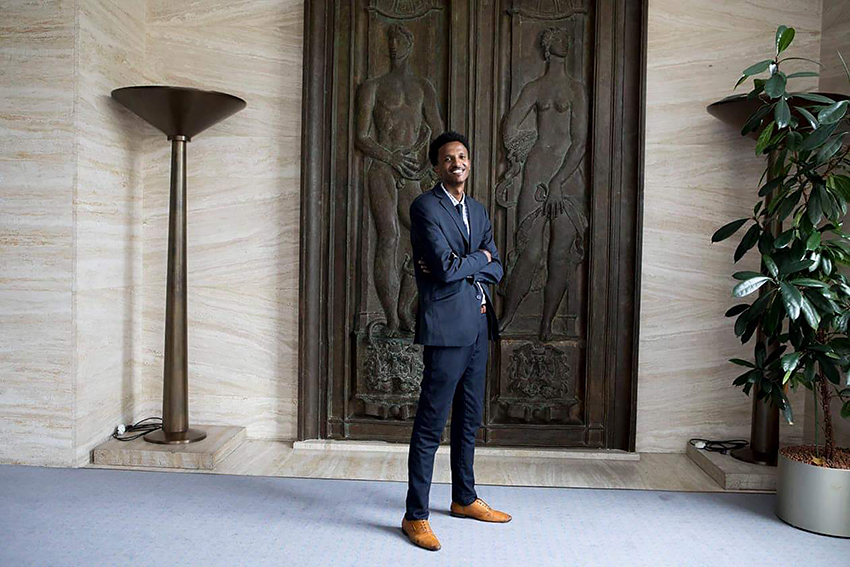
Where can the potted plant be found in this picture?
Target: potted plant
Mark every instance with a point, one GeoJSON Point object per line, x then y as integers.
{"type": "Point", "coordinates": [802, 309]}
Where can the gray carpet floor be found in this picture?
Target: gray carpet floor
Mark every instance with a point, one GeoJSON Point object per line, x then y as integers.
{"type": "Point", "coordinates": [108, 517]}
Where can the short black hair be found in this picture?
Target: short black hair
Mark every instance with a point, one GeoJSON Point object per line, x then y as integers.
{"type": "Point", "coordinates": [442, 140]}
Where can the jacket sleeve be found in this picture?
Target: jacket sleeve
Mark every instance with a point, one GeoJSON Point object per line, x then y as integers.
{"type": "Point", "coordinates": [430, 243]}
{"type": "Point", "coordinates": [491, 273]}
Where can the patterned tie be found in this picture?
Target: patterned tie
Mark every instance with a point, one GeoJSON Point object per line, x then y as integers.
{"type": "Point", "coordinates": [459, 208]}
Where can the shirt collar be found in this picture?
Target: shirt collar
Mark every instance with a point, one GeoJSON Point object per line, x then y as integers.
{"type": "Point", "coordinates": [455, 202]}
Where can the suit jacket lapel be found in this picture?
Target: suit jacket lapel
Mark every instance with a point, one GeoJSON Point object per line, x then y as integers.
{"type": "Point", "coordinates": [447, 204]}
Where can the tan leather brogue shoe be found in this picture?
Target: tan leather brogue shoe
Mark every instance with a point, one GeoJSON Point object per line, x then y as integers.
{"type": "Point", "coordinates": [419, 532]}
{"type": "Point", "coordinates": [479, 510]}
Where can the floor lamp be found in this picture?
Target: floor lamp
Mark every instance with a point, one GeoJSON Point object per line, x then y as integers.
{"type": "Point", "coordinates": [180, 113]}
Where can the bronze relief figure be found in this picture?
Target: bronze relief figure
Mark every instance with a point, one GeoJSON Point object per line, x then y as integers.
{"type": "Point", "coordinates": [396, 118]}
{"type": "Point", "coordinates": [552, 189]}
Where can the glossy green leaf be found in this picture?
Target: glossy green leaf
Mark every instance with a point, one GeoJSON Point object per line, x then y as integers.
{"type": "Point", "coordinates": [779, 31]}
{"type": "Point", "coordinates": [840, 183]}
{"type": "Point", "coordinates": [761, 354]}
{"type": "Point", "coordinates": [829, 149]}
{"type": "Point", "coordinates": [748, 241]}
{"type": "Point", "coordinates": [736, 310]}
{"type": "Point", "coordinates": [741, 324]}
{"type": "Point", "coordinates": [813, 122]}
{"type": "Point", "coordinates": [800, 74]}
{"type": "Point", "coordinates": [782, 113]}
{"type": "Point", "coordinates": [789, 361]}
{"type": "Point", "coordinates": [784, 239]}
{"type": "Point", "coordinates": [794, 141]}
{"type": "Point", "coordinates": [791, 298]}
{"type": "Point", "coordinates": [785, 39]}
{"type": "Point", "coordinates": [787, 205]}
{"type": "Point", "coordinates": [727, 230]}
{"type": "Point", "coordinates": [833, 113]}
{"type": "Point", "coordinates": [818, 137]}
{"type": "Point", "coordinates": [813, 241]}
{"type": "Point", "coordinates": [815, 262]}
{"type": "Point", "coordinates": [829, 369]}
{"type": "Point", "coordinates": [746, 275]}
{"type": "Point", "coordinates": [757, 68]}
{"type": "Point", "coordinates": [787, 412]}
{"type": "Point", "coordinates": [814, 97]}
{"type": "Point", "coordinates": [764, 138]}
{"type": "Point", "coordinates": [811, 314]}
{"type": "Point", "coordinates": [770, 265]}
{"type": "Point", "coordinates": [749, 286]}
{"type": "Point", "coordinates": [789, 268]}
{"type": "Point", "coordinates": [770, 185]}
{"type": "Point", "coordinates": [775, 86]}
{"type": "Point", "coordinates": [808, 282]}
{"type": "Point", "coordinates": [758, 307]}
{"type": "Point", "coordinates": [740, 362]}
{"type": "Point", "coordinates": [815, 210]}
{"type": "Point", "coordinates": [755, 119]}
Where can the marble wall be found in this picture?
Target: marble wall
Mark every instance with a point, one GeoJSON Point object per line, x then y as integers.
{"type": "Point", "coordinates": [835, 37]}
{"type": "Point", "coordinates": [71, 200]}
{"type": "Point", "coordinates": [82, 280]}
{"type": "Point", "coordinates": [699, 175]}
{"type": "Point", "coordinates": [108, 212]}
{"type": "Point", "coordinates": [243, 211]}
{"type": "Point", "coordinates": [37, 170]}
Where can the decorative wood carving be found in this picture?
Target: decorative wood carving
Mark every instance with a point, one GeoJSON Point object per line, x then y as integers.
{"type": "Point", "coordinates": [549, 93]}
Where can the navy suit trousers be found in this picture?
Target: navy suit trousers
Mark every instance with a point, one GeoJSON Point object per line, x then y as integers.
{"type": "Point", "coordinates": [453, 379]}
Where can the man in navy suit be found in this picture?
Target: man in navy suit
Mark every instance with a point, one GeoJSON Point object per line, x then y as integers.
{"type": "Point", "coordinates": [456, 262]}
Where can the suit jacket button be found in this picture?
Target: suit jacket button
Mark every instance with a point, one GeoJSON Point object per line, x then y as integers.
{"type": "Point", "coordinates": [478, 296]}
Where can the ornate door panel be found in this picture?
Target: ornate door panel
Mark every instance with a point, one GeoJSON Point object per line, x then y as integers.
{"type": "Point", "coordinates": [548, 92]}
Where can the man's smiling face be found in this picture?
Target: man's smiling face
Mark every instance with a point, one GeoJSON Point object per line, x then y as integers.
{"type": "Point", "coordinates": [453, 163]}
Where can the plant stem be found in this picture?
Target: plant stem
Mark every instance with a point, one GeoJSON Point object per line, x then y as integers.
{"type": "Point", "coordinates": [817, 445]}
{"type": "Point", "coordinates": [828, 439]}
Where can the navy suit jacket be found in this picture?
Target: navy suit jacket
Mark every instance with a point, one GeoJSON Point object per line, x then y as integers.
{"type": "Point", "coordinates": [449, 300]}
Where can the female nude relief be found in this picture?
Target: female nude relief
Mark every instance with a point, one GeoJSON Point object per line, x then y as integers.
{"type": "Point", "coordinates": [551, 195]}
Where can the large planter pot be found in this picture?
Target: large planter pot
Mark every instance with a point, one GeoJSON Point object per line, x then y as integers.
{"type": "Point", "coordinates": [813, 498]}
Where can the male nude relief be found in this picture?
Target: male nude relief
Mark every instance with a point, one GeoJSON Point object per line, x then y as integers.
{"type": "Point", "coordinates": [396, 118]}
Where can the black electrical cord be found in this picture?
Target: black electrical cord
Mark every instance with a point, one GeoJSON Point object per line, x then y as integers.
{"type": "Point", "coordinates": [722, 447]}
{"type": "Point", "coordinates": [137, 429]}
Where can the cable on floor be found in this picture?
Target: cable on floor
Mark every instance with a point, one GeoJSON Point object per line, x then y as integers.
{"type": "Point", "coordinates": [722, 447]}
{"type": "Point", "coordinates": [130, 432]}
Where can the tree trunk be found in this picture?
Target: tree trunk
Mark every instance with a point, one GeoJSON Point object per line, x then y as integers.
{"type": "Point", "coordinates": [825, 400]}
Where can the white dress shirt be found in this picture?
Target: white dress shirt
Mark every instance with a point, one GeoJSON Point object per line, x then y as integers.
{"type": "Point", "coordinates": [465, 215]}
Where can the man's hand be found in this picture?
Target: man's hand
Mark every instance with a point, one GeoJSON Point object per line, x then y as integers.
{"type": "Point", "coordinates": [425, 270]}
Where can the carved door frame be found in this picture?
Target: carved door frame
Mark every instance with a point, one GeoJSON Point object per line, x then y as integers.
{"type": "Point", "coordinates": [319, 267]}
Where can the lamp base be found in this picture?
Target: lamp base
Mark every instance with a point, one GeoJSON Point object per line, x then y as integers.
{"type": "Point", "coordinates": [747, 455]}
{"type": "Point", "coordinates": [174, 438]}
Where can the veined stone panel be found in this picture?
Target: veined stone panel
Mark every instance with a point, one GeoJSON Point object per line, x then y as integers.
{"type": "Point", "coordinates": [698, 175]}
{"type": "Point", "coordinates": [36, 232]}
{"type": "Point", "coordinates": [243, 211]}
{"type": "Point", "coordinates": [835, 38]}
{"type": "Point", "coordinates": [108, 208]}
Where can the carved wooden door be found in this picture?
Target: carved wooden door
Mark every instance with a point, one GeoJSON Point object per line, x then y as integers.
{"type": "Point", "coordinates": [548, 91]}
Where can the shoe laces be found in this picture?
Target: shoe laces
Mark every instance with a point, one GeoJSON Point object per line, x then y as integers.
{"type": "Point", "coordinates": [421, 526]}
{"type": "Point", "coordinates": [484, 504]}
